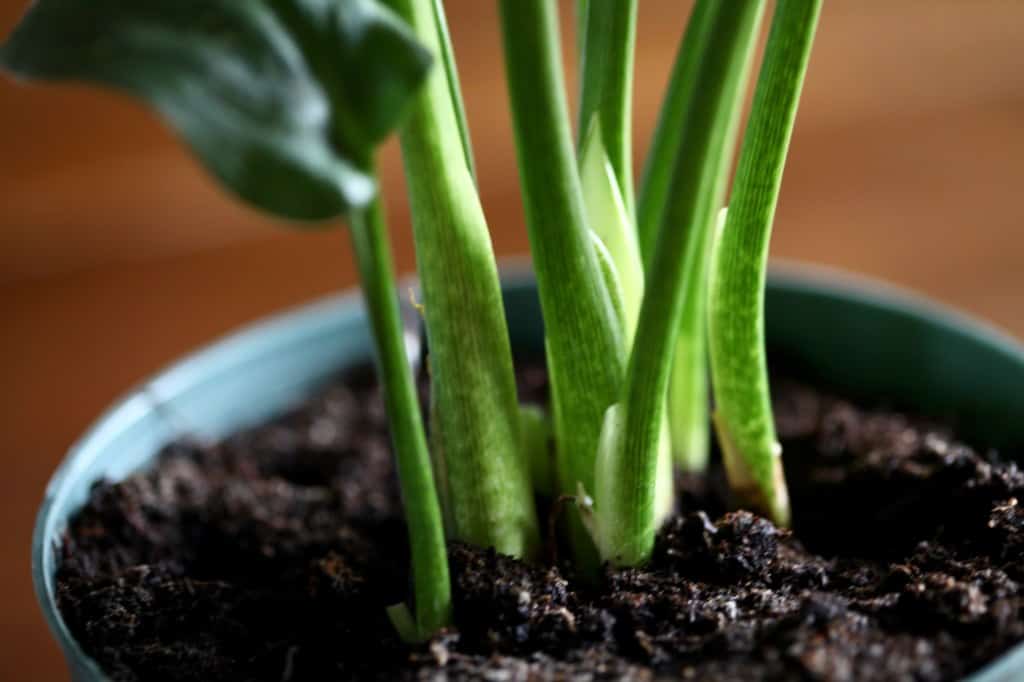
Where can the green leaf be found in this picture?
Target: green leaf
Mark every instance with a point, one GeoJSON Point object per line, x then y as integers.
{"type": "Point", "coordinates": [282, 100]}
{"type": "Point", "coordinates": [743, 417]}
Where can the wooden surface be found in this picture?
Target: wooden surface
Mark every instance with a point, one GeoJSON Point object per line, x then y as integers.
{"type": "Point", "coordinates": [117, 254]}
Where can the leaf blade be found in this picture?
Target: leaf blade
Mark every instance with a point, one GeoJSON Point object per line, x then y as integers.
{"type": "Point", "coordinates": [269, 94]}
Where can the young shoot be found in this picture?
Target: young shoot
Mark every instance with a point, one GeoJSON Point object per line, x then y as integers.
{"type": "Point", "coordinates": [624, 511]}
{"type": "Point", "coordinates": [743, 416]}
{"type": "Point", "coordinates": [619, 254]}
{"type": "Point", "coordinates": [609, 220]}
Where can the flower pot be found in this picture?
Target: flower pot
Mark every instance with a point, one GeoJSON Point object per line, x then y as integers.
{"type": "Point", "coordinates": [860, 338]}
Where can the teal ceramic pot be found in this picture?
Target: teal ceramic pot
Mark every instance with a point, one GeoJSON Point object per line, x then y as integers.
{"type": "Point", "coordinates": [862, 338]}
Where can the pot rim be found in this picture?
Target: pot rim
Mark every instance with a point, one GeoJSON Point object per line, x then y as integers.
{"type": "Point", "coordinates": [264, 335]}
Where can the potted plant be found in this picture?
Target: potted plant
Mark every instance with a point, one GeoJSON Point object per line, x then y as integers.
{"type": "Point", "coordinates": [549, 537]}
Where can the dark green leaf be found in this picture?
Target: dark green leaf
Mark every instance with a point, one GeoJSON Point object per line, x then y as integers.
{"type": "Point", "coordinates": [283, 100]}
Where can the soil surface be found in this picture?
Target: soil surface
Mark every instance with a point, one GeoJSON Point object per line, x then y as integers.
{"type": "Point", "coordinates": [271, 556]}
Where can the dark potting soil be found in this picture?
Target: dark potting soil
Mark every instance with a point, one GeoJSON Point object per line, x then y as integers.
{"type": "Point", "coordinates": [271, 556]}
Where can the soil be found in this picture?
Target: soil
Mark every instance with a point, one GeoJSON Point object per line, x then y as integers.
{"type": "Point", "coordinates": [271, 556]}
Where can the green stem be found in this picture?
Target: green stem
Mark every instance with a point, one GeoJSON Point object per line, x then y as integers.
{"type": "Point", "coordinates": [607, 85]}
{"type": "Point", "coordinates": [584, 338]}
{"type": "Point", "coordinates": [738, 363]}
{"type": "Point", "coordinates": [688, 381]}
{"type": "Point", "coordinates": [431, 587]}
{"type": "Point", "coordinates": [680, 98]}
{"type": "Point", "coordinates": [625, 505]}
{"type": "Point", "coordinates": [582, 10]}
{"type": "Point", "coordinates": [473, 386]}
{"type": "Point", "coordinates": [454, 88]}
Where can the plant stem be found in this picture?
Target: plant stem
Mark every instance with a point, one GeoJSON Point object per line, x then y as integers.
{"type": "Point", "coordinates": [688, 383]}
{"type": "Point", "coordinates": [680, 98]}
{"type": "Point", "coordinates": [473, 386]}
{"type": "Point", "coordinates": [582, 9]}
{"type": "Point", "coordinates": [739, 366]}
{"type": "Point", "coordinates": [431, 586]}
{"type": "Point", "coordinates": [607, 85]}
{"type": "Point", "coordinates": [454, 88]}
{"type": "Point", "coordinates": [625, 506]}
{"type": "Point", "coordinates": [584, 338]}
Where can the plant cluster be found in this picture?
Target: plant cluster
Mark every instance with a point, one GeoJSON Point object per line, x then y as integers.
{"type": "Point", "coordinates": [285, 102]}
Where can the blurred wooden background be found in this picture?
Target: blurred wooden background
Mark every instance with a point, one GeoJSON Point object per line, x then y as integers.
{"type": "Point", "coordinates": [117, 254]}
